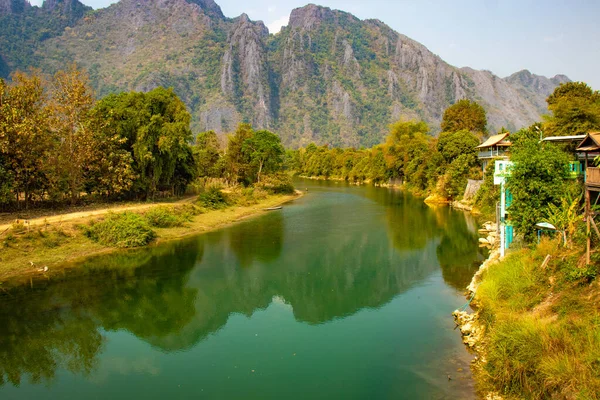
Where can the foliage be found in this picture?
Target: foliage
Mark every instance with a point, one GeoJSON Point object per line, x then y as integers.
{"type": "Point", "coordinates": [575, 110]}
{"type": "Point", "coordinates": [156, 128]}
{"type": "Point", "coordinates": [276, 184]}
{"type": "Point", "coordinates": [264, 151]}
{"type": "Point", "coordinates": [488, 193]}
{"type": "Point", "coordinates": [71, 101]}
{"type": "Point", "coordinates": [541, 337]}
{"type": "Point", "coordinates": [538, 178]}
{"type": "Point", "coordinates": [166, 217]}
{"type": "Point", "coordinates": [121, 230]}
{"type": "Point", "coordinates": [565, 216]}
{"type": "Point", "coordinates": [25, 137]}
{"type": "Point", "coordinates": [213, 198]}
{"type": "Point", "coordinates": [465, 115]}
{"type": "Point", "coordinates": [452, 144]}
{"type": "Point", "coordinates": [207, 155]}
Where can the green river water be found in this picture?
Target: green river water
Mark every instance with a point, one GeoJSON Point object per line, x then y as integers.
{"type": "Point", "coordinates": [345, 293]}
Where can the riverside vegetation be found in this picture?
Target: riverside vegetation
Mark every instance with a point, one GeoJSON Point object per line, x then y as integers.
{"type": "Point", "coordinates": [59, 146]}
{"type": "Point", "coordinates": [540, 326]}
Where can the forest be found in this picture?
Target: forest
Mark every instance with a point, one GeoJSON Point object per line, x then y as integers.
{"type": "Point", "coordinates": [58, 145]}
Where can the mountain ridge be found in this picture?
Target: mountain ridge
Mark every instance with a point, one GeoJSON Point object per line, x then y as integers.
{"type": "Point", "coordinates": [327, 77]}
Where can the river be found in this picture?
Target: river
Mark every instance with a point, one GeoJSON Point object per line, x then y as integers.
{"type": "Point", "coordinates": [345, 293]}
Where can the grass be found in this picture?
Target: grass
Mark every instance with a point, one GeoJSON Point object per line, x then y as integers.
{"type": "Point", "coordinates": [542, 326]}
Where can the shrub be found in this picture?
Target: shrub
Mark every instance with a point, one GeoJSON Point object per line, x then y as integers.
{"type": "Point", "coordinates": [213, 198]}
{"type": "Point", "coordinates": [276, 184]}
{"type": "Point", "coordinates": [121, 230]}
{"type": "Point", "coordinates": [165, 217]}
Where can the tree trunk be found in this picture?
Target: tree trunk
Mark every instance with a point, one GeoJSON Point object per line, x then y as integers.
{"type": "Point", "coordinates": [259, 171]}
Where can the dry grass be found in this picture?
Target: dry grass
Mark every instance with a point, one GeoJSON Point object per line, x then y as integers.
{"type": "Point", "coordinates": [542, 326]}
{"type": "Point", "coordinates": [24, 251]}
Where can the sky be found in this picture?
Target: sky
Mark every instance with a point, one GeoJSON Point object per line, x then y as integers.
{"type": "Point", "coordinates": [503, 36]}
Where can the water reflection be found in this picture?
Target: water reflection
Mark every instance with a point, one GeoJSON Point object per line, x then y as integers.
{"type": "Point", "coordinates": [329, 255]}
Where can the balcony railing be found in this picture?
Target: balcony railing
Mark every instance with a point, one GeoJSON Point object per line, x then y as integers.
{"type": "Point", "coordinates": [592, 176]}
{"type": "Point", "coordinates": [491, 153]}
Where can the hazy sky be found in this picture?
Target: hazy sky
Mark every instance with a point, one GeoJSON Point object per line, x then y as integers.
{"type": "Point", "coordinates": [546, 37]}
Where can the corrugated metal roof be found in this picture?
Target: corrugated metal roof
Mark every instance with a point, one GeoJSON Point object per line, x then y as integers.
{"type": "Point", "coordinates": [590, 143]}
{"type": "Point", "coordinates": [494, 141]}
{"type": "Point", "coordinates": [571, 138]}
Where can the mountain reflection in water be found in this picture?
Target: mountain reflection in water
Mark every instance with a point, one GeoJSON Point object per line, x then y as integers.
{"type": "Point", "coordinates": [327, 256]}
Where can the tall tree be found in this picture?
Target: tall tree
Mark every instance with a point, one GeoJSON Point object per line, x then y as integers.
{"type": "Point", "coordinates": [538, 178]}
{"type": "Point", "coordinates": [207, 154]}
{"type": "Point", "coordinates": [70, 104]}
{"type": "Point", "coordinates": [575, 110]}
{"type": "Point", "coordinates": [237, 161]}
{"type": "Point", "coordinates": [465, 115]}
{"type": "Point", "coordinates": [154, 129]}
{"type": "Point", "coordinates": [265, 152]}
{"type": "Point", "coordinates": [24, 137]}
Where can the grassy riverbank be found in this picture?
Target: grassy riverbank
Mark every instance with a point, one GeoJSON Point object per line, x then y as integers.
{"type": "Point", "coordinates": [26, 251]}
{"type": "Point", "coordinates": [540, 324]}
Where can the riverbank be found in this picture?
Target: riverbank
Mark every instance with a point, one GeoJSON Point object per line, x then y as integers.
{"type": "Point", "coordinates": [48, 247]}
{"type": "Point", "coordinates": [536, 323]}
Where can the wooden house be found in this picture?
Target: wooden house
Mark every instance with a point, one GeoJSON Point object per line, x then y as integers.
{"type": "Point", "coordinates": [494, 147]}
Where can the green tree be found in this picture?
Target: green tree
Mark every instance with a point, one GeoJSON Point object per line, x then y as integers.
{"type": "Point", "coordinates": [465, 115]}
{"type": "Point", "coordinates": [237, 163]}
{"type": "Point", "coordinates": [155, 129]}
{"type": "Point", "coordinates": [265, 152]}
{"type": "Point", "coordinates": [207, 154]}
{"type": "Point", "coordinates": [538, 178]}
{"type": "Point", "coordinates": [575, 110]}
{"type": "Point", "coordinates": [453, 144]}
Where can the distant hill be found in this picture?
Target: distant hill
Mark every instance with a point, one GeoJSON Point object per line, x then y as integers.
{"type": "Point", "coordinates": [327, 77]}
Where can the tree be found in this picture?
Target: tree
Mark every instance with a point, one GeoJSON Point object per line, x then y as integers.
{"type": "Point", "coordinates": [453, 144]}
{"type": "Point", "coordinates": [155, 129]}
{"type": "Point", "coordinates": [70, 104]}
{"type": "Point", "coordinates": [575, 110]}
{"type": "Point", "coordinates": [24, 137]}
{"type": "Point", "coordinates": [265, 151]}
{"type": "Point", "coordinates": [207, 154]}
{"type": "Point", "coordinates": [404, 145]}
{"type": "Point", "coordinates": [538, 178]}
{"type": "Point", "coordinates": [465, 115]}
{"type": "Point", "coordinates": [237, 162]}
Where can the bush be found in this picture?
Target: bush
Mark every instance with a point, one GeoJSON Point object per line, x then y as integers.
{"type": "Point", "coordinates": [121, 230]}
{"type": "Point", "coordinates": [166, 217]}
{"type": "Point", "coordinates": [213, 198]}
{"type": "Point", "coordinates": [276, 184]}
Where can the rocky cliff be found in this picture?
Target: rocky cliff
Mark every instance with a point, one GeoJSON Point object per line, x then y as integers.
{"type": "Point", "coordinates": [327, 77]}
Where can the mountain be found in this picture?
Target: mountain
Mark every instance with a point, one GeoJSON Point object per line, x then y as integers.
{"type": "Point", "coordinates": [327, 77]}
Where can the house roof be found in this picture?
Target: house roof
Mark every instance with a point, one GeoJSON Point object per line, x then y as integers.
{"type": "Point", "coordinates": [572, 138]}
{"type": "Point", "coordinates": [590, 143]}
{"type": "Point", "coordinates": [496, 140]}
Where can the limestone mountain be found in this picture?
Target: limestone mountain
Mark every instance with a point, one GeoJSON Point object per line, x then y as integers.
{"type": "Point", "coordinates": [327, 77]}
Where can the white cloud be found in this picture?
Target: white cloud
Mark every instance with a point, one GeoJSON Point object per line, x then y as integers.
{"type": "Point", "coordinates": [271, 9]}
{"type": "Point", "coordinates": [36, 2]}
{"type": "Point", "coordinates": [276, 25]}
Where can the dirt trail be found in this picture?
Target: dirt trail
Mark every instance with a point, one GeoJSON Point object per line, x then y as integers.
{"type": "Point", "coordinates": [52, 219]}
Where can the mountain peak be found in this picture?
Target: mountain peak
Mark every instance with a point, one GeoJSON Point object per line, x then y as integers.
{"type": "Point", "coordinates": [309, 16]}
{"type": "Point", "coordinates": [210, 8]}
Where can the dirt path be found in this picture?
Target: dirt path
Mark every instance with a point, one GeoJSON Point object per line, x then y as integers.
{"type": "Point", "coordinates": [52, 219]}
